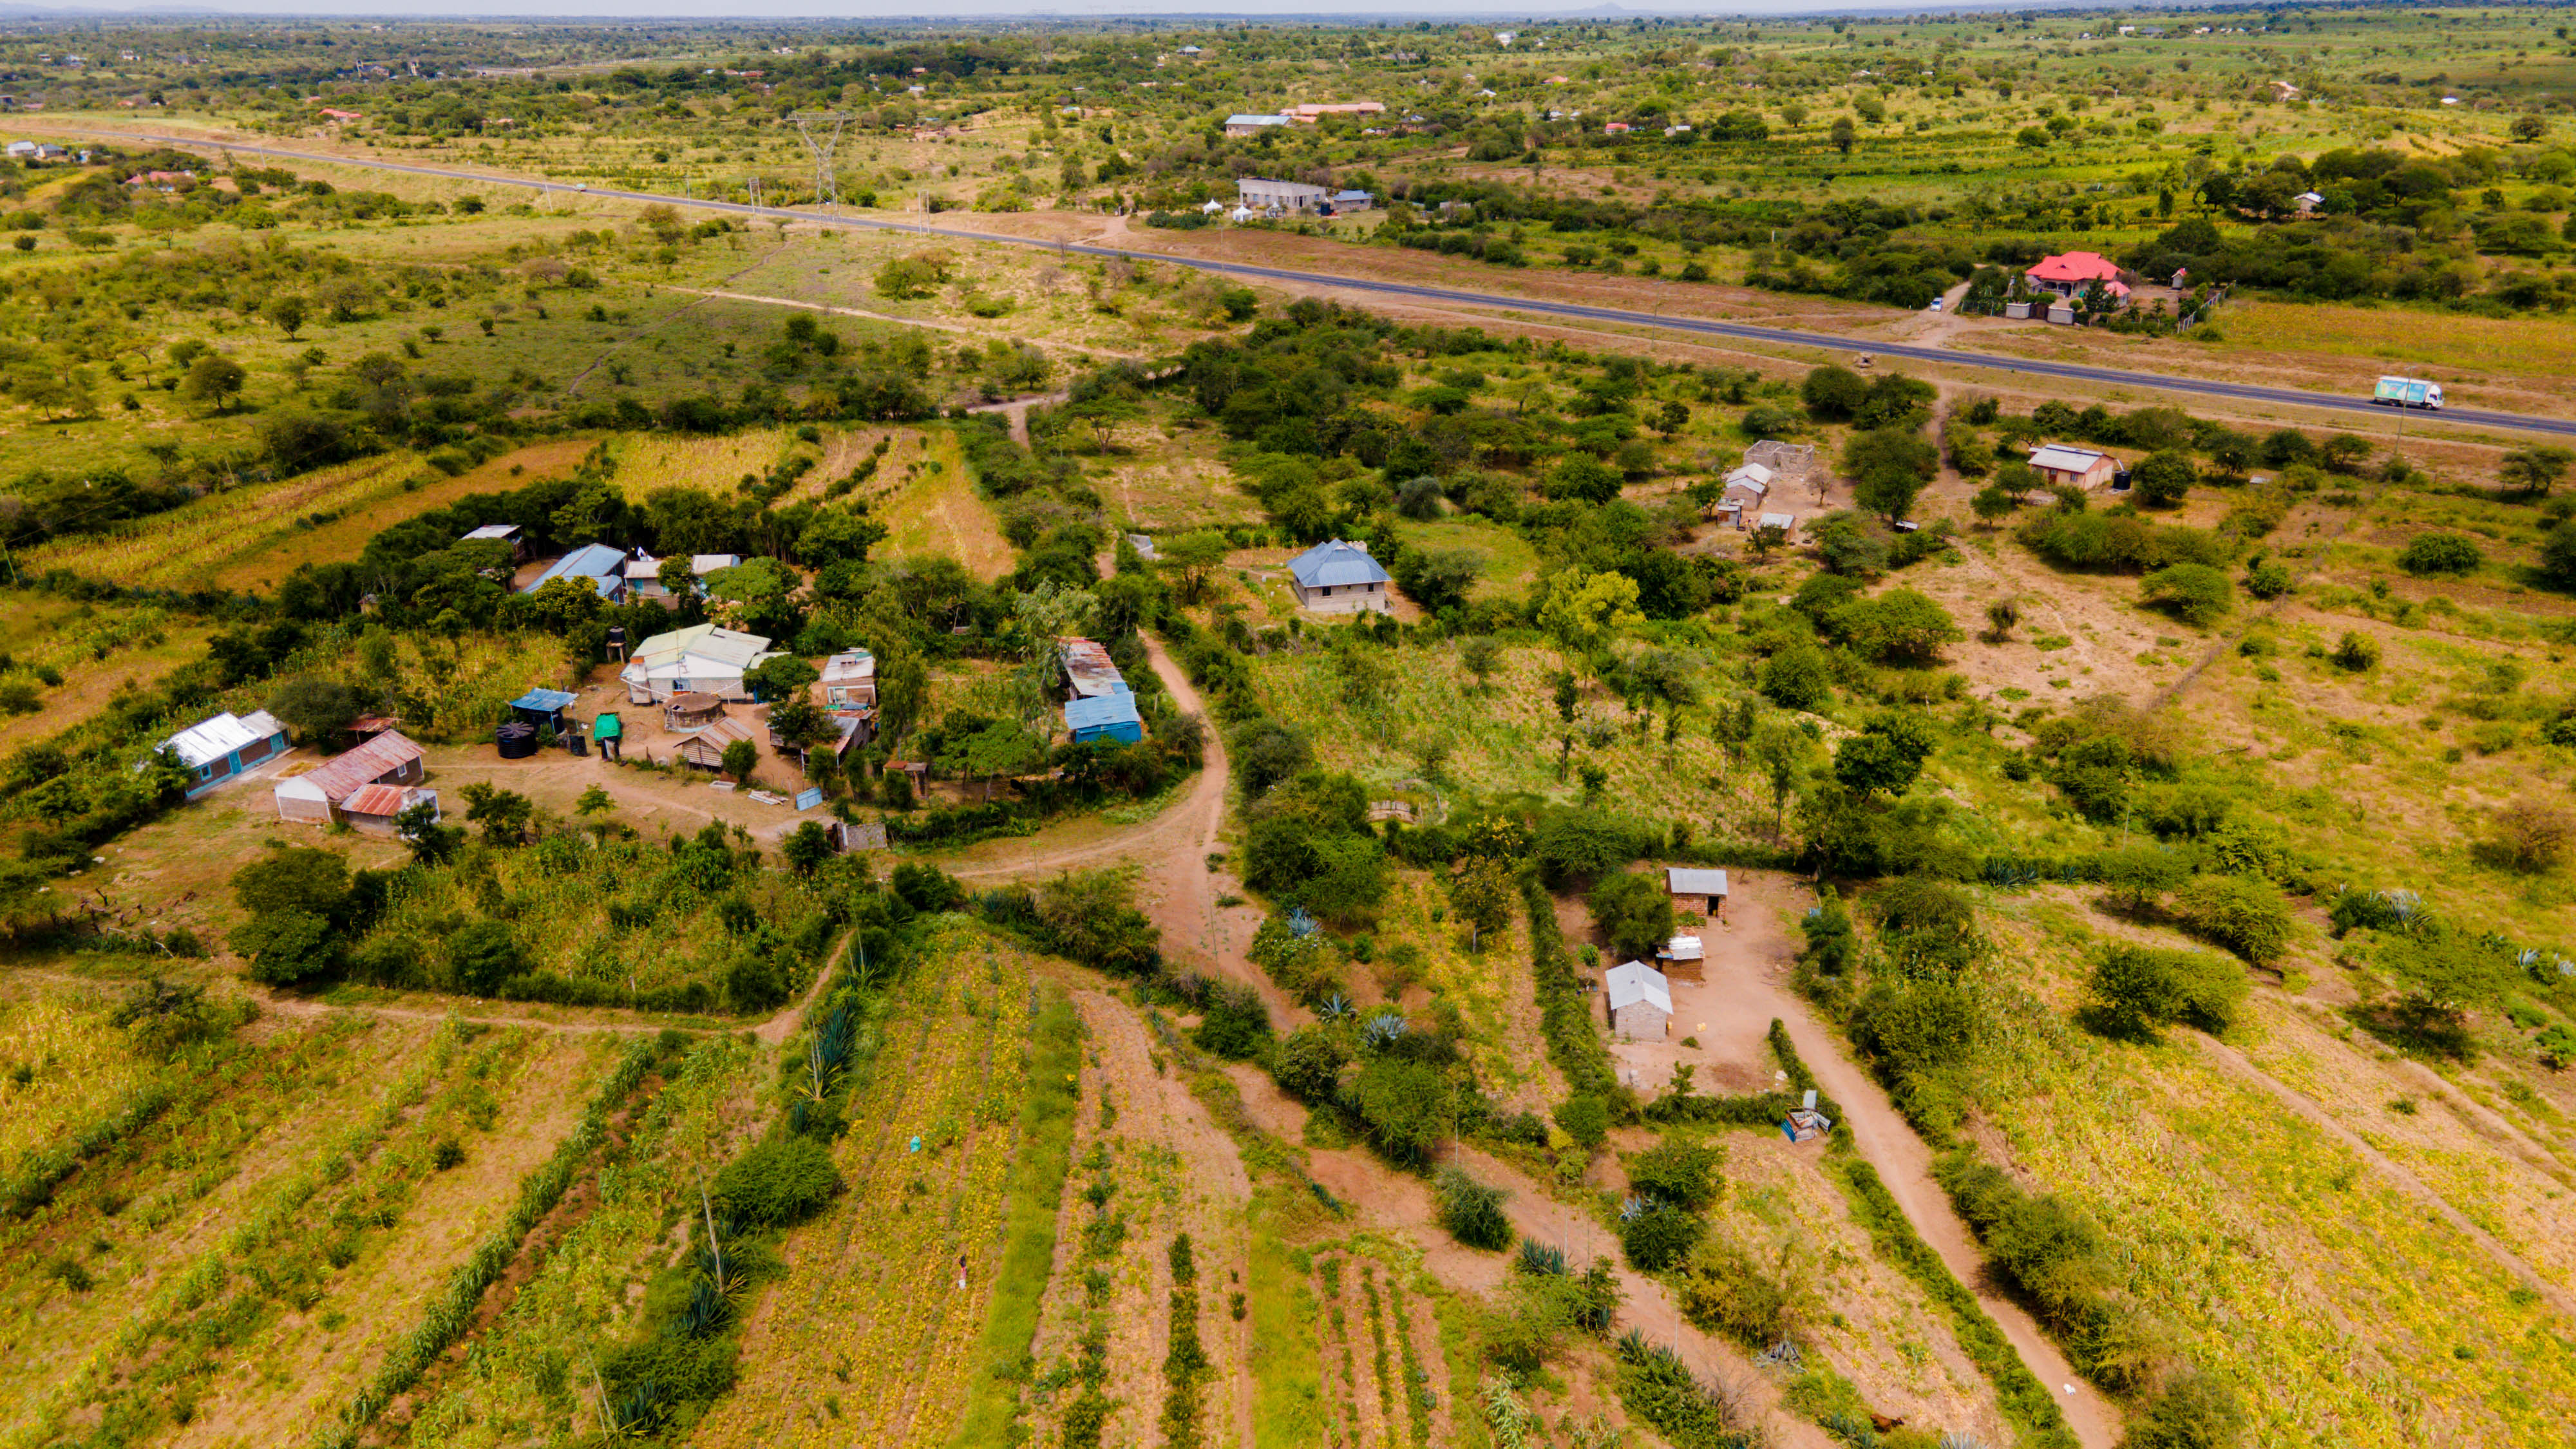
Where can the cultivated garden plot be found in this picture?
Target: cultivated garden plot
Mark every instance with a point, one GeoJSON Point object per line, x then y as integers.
{"type": "Point", "coordinates": [229, 1226]}
{"type": "Point", "coordinates": [870, 1332]}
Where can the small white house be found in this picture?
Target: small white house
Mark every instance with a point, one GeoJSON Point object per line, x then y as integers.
{"type": "Point", "coordinates": [701, 659]}
{"type": "Point", "coordinates": [1639, 1000]}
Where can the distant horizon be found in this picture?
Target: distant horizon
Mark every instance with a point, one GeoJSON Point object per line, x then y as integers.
{"type": "Point", "coordinates": [825, 11]}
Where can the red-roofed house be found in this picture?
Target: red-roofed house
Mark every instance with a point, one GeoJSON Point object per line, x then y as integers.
{"type": "Point", "coordinates": [2069, 273]}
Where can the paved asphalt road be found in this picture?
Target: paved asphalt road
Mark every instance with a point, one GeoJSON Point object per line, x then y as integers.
{"type": "Point", "coordinates": [2072, 372]}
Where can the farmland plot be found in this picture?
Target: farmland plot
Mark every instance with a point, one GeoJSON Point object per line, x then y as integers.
{"type": "Point", "coordinates": [185, 547]}
{"type": "Point", "coordinates": [867, 1338]}
{"type": "Point", "coordinates": [526, 1373]}
{"type": "Point", "coordinates": [258, 1214]}
{"type": "Point", "coordinates": [1504, 739]}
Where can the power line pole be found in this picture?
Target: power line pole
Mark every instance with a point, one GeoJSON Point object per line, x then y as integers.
{"type": "Point", "coordinates": [827, 189]}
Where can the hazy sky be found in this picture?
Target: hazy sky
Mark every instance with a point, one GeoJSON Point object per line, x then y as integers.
{"type": "Point", "coordinates": [916, 9]}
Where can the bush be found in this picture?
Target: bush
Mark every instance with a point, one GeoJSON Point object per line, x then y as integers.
{"type": "Point", "coordinates": [1655, 1236]}
{"type": "Point", "coordinates": [1234, 1024]}
{"type": "Point", "coordinates": [778, 1183]}
{"type": "Point", "coordinates": [2246, 916]}
{"type": "Point", "coordinates": [1309, 1065]}
{"type": "Point", "coordinates": [2197, 594]}
{"type": "Point", "coordinates": [2134, 990]}
{"type": "Point", "coordinates": [1403, 1105]}
{"type": "Point", "coordinates": [1677, 1170]}
{"type": "Point", "coordinates": [1585, 1119]}
{"type": "Point", "coordinates": [2356, 653]}
{"type": "Point", "coordinates": [2440, 553]}
{"type": "Point", "coordinates": [1473, 1211]}
{"type": "Point", "coordinates": [1727, 1292]}
{"type": "Point", "coordinates": [2195, 1411]}
{"type": "Point", "coordinates": [2267, 579]}
{"type": "Point", "coordinates": [1799, 677]}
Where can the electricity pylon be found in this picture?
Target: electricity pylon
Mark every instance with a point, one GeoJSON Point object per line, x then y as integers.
{"type": "Point", "coordinates": [827, 190]}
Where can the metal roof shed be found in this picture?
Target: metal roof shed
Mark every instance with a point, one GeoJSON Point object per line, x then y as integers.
{"type": "Point", "coordinates": [603, 566]}
{"type": "Point", "coordinates": [544, 707]}
{"type": "Point", "coordinates": [1107, 717]}
{"type": "Point", "coordinates": [1639, 1001]}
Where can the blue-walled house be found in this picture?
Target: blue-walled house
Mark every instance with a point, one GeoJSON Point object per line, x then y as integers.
{"type": "Point", "coordinates": [1104, 717]}
{"type": "Point", "coordinates": [217, 749]}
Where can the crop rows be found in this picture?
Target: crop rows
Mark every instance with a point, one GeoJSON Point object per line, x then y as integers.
{"type": "Point", "coordinates": [182, 548]}
{"type": "Point", "coordinates": [524, 1365]}
{"type": "Point", "coordinates": [301, 1235]}
{"type": "Point", "coordinates": [866, 1340]}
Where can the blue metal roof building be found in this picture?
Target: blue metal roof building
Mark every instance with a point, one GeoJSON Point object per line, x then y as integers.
{"type": "Point", "coordinates": [543, 707]}
{"type": "Point", "coordinates": [1104, 717]}
{"type": "Point", "coordinates": [604, 566]}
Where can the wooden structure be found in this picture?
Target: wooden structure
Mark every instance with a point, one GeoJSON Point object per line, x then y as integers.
{"type": "Point", "coordinates": [706, 748]}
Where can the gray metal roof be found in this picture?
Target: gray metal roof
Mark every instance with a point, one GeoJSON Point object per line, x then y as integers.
{"type": "Point", "coordinates": [1634, 982]}
{"type": "Point", "coordinates": [209, 740]}
{"type": "Point", "coordinates": [1683, 881]}
{"type": "Point", "coordinates": [1335, 563]}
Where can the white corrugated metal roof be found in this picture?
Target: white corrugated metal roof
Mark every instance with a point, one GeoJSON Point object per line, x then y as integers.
{"type": "Point", "coordinates": [1684, 881]}
{"type": "Point", "coordinates": [1782, 521]}
{"type": "Point", "coordinates": [701, 650]}
{"type": "Point", "coordinates": [1681, 948]}
{"type": "Point", "coordinates": [209, 740]}
{"type": "Point", "coordinates": [1634, 982]}
{"type": "Point", "coordinates": [2064, 459]}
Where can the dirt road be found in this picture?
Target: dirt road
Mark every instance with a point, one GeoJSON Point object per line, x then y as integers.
{"type": "Point", "coordinates": [1746, 989]}
{"type": "Point", "coordinates": [1177, 887]}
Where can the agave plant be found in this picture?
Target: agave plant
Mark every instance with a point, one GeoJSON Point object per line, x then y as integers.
{"type": "Point", "coordinates": [1300, 924]}
{"type": "Point", "coordinates": [1384, 1031]}
{"type": "Point", "coordinates": [1961, 1439]}
{"type": "Point", "coordinates": [706, 1311]}
{"type": "Point", "coordinates": [1637, 1207]}
{"type": "Point", "coordinates": [1633, 1347]}
{"type": "Point", "coordinates": [1333, 1007]}
{"type": "Point", "coordinates": [1541, 1260]}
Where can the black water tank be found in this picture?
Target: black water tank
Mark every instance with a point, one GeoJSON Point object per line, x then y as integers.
{"type": "Point", "coordinates": [517, 741]}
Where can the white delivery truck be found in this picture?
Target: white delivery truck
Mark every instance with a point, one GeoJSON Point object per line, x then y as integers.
{"type": "Point", "coordinates": [2408, 392]}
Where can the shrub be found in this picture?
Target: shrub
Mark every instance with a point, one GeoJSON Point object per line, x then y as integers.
{"type": "Point", "coordinates": [778, 1183]}
{"type": "Point", "coordinates": [1655, 1236]}
{"type": "Point", "coordinates": [2246, 916]}
{"type": "Point", "coordinates": [1799, 677]}
{"type": "Point", "coordinates": [2267, 579]}
{"type": "Point", "coordinates": [1678, 1170]}
{"type": "Point", "coordinates": [2195, 1411]}
{"type": "Point", "coordinates": [1309, 1065]}
{"type": "Point", "coordinates": [1727, 1292]}
{"type": "Point", "coordinates": [1403, 1105]}
{"type": "Point", "coordinates": [2530, 837]}
{"type": "Point", "coordinates": [1473, 1211]}
{"type": "Point", "coordinates": [2440, 553]}
{"type": "Point", "coordinates": [2134, 990]}
{"type": "Point", "coordinates": [2356, 653]}
{"type": "Point", "coordinates": [2197, 594]}
{"type": "Point", "coordinates": [1234, 1024]}
{"type": "Point", "coordinates": [1585, 1119]}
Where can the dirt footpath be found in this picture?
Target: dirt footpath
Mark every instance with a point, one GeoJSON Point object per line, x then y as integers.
{"type": "Point", "coordinates": [1748, 970]}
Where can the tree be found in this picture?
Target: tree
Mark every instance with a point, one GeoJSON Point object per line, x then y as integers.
{"type": "Point", "coordinates": [1480, 653]}
{"type": "Point", "coordinates": [431, 843]}
{"type": "Point", "coordinates": [806, 847]}
{"type": "Point", "coordinates": [1195, 556]}
{"type": "Point", "coordinates": [482, 955]}
{"type": "Point", "coordinates": [1833, 393]}
{"type": "Point", "coordinates": [2032, 136]}
{"type": "Point", "coordinates": [2164, 478]}
{"type": "Point", "coordinates": [784, 677]}
{"type": "Point", "coordinates": [2134, 990]}
{"type": "Point", "coordinates": [1843, 134]}
{"type": "Point", "coordinates": [1799, 677]}
{"type": "Point", "coordinates": [318, 709]}
{"type": "Point", "coordinates": [1582, 478]}
{"type": "Point", "coordinates": [1781, 750]}
{"type": "Point", "coordinates": [214, 378]}
{"type": "Point", "coordinates": [1403, 1106]}
{"type": "Point", "coordinates": [1585, 611]}
{"type": "Point", "coordinates": [504, 814]}
{"type": "Point", "coordinates": [1889, 467]}
{"type": "Point", "coordinates": [1309, 1065]}
{"type": "Point", "coordinates": [298, 878]}
{"type": "Point", "coordinates": [1634, 913]}
{"type": "Point", "coordinates": [1585, 1119]}
{"type": "Point", "coordinates": [2528, 128]}
{"type": "Point", "coordinates": [2242, 914]}
{"type": "Point", "coordinates": [2440, 553]}
{"type": "Point", "coordinates": [285, 947]}
{"type": "Point", "coordinates": [286, 312]}
{"type": "Point", "coordinates": [1886, 756]}
{"type": "Point", "coordinates": [2197, 594]}
{"type": "Point", "coordinates": [2530, 837]}
{"type": "Point", "coordinates": [1481, 892]}
{"type": "Point", "coordinates": [838, 535]}
{"type": "Point", "coordinates": [740, 759]}
{"type": "Point", "coordinates": [1901, 626]}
